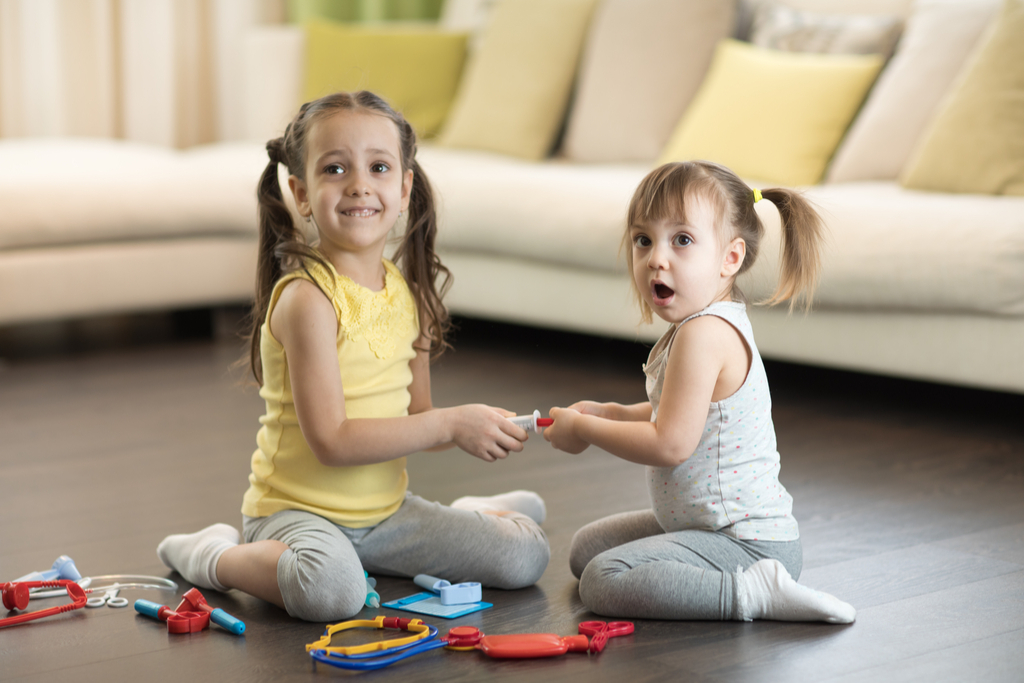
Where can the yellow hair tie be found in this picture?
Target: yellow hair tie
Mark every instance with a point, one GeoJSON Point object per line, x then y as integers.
{"type": "Point", "coordinates": [757, 195]}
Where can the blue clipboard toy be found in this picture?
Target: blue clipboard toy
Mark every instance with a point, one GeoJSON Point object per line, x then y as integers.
{"type": "Point", "coordinates": [429, 603]}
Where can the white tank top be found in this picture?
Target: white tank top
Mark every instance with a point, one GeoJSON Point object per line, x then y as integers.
{"type": "Point", "coordinates": [730, 483]}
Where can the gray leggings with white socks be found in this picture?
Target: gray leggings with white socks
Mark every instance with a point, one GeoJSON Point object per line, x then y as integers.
{"type": "Point", "coordinates": [628, 566]}
{"type": "Point", "coordinates": [321, 574]}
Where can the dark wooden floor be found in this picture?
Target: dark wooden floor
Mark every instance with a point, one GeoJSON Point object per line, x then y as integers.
{"type": "Point", "coordinates": [910, 498]}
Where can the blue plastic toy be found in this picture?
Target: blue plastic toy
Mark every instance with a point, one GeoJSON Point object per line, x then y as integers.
{"type": "Point", "coordinates": [459, 594]}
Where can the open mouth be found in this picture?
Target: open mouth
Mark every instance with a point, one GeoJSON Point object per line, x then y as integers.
{"type": "Point", "coordinates": [662, 292]}
{"type": "Point", "coordinates": [360, 213]}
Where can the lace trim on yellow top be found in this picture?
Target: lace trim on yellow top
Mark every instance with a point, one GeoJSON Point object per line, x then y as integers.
{"type": "Point", "coordinates": [378, 317]}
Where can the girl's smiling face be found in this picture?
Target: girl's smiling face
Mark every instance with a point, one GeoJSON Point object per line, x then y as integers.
{"type": "Point", "coordinates": [681, 267]}
{"type": "Point", "coordinates": [354, 187]}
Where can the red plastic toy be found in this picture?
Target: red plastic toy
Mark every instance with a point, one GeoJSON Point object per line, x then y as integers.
{"type": "Point", "coordinates": [16, 596]}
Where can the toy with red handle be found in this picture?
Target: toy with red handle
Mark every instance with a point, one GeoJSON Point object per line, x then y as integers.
{"type": "Point", "coordinates": [16, 596]}
{"type": "Point", "coordinates": [193, 601]}
{"type": "Point", "coordinates": [177, 622]}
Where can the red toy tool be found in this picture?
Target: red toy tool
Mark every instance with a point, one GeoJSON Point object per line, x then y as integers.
{"type": "Point", "coordinates": [16, 596]}
{"type": "Point", "coordinates": [177, 622]}
{"type": "Point", "coordinates": [193, 601]}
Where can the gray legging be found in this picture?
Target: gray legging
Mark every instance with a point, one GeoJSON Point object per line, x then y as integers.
{"type": "Point", "coordinates": [628, 566]}
{"type": "Point", "coordinates": [321, 573]}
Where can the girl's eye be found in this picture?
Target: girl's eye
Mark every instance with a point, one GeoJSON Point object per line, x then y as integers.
{"type": "Point", "coordinates": [380, 167]}
{"type": "Point", "coordinates": [682, 241]}
{"type": "Point", "coordinates": [333, 169]}
{"type": "Point", "coordinates": [642, 241]}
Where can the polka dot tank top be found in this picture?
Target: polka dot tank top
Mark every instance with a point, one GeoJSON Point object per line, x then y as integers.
{"type": "Point", "coordinates": [731, 482]}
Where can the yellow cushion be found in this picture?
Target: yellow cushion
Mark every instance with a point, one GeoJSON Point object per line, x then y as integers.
{"type": "Point", "coordinates": [976, 142]}
{"type": "Point", "coordinates": [517, 84]}
{"type": "Point", "coordinates": [415, 68]}
{"type": "Point", "coordinates": [773, 116]}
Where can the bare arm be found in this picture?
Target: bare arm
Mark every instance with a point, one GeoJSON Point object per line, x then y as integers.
{"type": "Point", "coordinates": [701, 368]}
{"type": "Point", "coordinates": [305, 323]}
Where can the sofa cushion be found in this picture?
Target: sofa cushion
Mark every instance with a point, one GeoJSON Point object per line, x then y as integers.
{"type": "Point", "coordinates": [551, 212]}
{"type": "Point", "coordinates": [939, 37]}
{"type": "Point", "coordinates": [772, 115]}
{"type": "Point", "coordinates": [516, 87]}
{"type": "Point", "coordinates": [415, 68]}
{"type": "Point", "coordinates": [622, 110]}
{"type": "Point", "coordinates": [778, 27]}
{"type": "Point", "coordinates": [976, 142]}
{"type": "Point", "coordinates": [892, 249]}
{"type": "Point", "coordinates": [74, 191]}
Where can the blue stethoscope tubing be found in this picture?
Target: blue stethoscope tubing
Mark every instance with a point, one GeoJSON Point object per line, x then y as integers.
{"type": "Point", "coordinates": [370, 661]}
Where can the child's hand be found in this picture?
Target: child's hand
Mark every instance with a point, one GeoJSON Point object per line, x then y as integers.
{"type": "Point", "coordinates": [483, 431]}
{"type": "Point", "coordinates": [589, 408]}
{"type": "Point", "coordinates": [562, 434]}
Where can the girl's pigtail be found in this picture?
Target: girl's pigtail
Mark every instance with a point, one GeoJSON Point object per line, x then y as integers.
{"type": "Point", "coordinates": [802, 235]}
{"type": "Point", "coordinates": [279, 240]}
{"type": "Point", "coordinates": [421, 265]}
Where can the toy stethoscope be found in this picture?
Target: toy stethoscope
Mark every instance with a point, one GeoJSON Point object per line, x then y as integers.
{"type": "Point", "coordinates": [109, 597]}
{"type": "Point", "coordinates": [16, 594]}
{"type": "Point", "coordinates": [378, 655]}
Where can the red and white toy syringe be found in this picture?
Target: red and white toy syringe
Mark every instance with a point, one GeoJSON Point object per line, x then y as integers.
{"type": "Point", "coordinates": [531, 423]}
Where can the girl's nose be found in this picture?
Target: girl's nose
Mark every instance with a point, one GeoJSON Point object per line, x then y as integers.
{"type": "Point", "coordinates": [657, 259]}
{"type": "Point", "coordinates": [357, 185]}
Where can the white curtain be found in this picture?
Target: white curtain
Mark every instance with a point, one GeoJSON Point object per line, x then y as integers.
{"type": "Point", "coordinates": [164, 72]}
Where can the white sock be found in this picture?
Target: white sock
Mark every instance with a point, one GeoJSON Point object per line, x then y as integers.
{"type": "Point", "coordinates": [195, 556]}
{"type": "Point", "coordinates": [767, 591]}
{"type": "Point", "coordinates": [526, 502]}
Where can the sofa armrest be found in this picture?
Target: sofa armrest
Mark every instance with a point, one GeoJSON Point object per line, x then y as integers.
{"type": "Point", "coordinates": [272, 79]}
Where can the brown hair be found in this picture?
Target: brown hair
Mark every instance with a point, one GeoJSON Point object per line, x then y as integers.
{"type": "Point", "coordinates": [666, 189]}
{"type": "Point", "coordinates": [283, 247]}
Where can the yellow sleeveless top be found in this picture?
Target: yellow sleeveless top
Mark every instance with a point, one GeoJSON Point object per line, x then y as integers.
{"type": "Point", "coordinates": [376, 333]}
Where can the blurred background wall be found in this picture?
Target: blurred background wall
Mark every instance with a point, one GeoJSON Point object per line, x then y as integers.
{"type": "Point", "coordinates": [163, 72]}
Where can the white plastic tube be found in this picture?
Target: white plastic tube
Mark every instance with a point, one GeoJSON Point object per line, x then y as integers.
{"type": "Point", "coordinates": [527, 422]}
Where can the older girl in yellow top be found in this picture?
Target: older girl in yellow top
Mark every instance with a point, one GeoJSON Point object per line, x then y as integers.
{"type": "Point", "coordinates": [342, 343]}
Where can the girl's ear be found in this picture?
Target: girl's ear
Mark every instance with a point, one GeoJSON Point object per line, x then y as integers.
{"type": "Point", "coordinates": [301, 194]}
{"type": "Point", "coordinates": [735, 252]}
{"type": "Point", "coordinates": [407, 181]}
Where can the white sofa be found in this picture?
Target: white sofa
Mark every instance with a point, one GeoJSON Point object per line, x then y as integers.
{"type": "Point", "coordinates": [528, 242]}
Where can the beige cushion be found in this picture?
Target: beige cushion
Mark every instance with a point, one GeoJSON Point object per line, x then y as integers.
{"type": "Point", "coordinates": [976, 142]}
{"type": "Point", "coordinates": [772, 115]}
{"type": "Point", "coordinates": [891, 249]}
{"type": "Point", "coordinates": [513, 95]}
{"type": "Point", "coordinates": [939, 37]}
{"type": "Point", "coordinates": [551, 212]}
{"type": "Point", "coordinates": [623, 109]}
{"type": "Point", "coordinates": [124, 191]}
{"type": "Point", "coordinates": [746, 9]}
{"type": "Point", "coordinates": [778, 27]}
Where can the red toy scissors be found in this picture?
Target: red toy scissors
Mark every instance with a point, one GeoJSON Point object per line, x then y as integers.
{"type": "Point", "coordinates": [601, 631]}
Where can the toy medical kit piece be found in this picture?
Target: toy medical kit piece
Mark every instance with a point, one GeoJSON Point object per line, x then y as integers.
{"type": "Point", "coordinates": [16, 596]}
{"type": "Point", "coordinates": [110, 592]}
{"type": "Point", "coordinates": [177, 622]}
{"type": "Point", "coordinates": [428, 603]}
{"type": "Point", "coordinates": [459, 594]}
{"type": "Point", "coordinates": [63, 568]}
{"type": "Point", "coordinates": [602, 631]}
{"type": "Point", "coordinates": [378, 655]}
{"type": "Point", "coordinates": [193, 601]}
{"type": "Point", "coordinates": [531, 423]}
{"type": "Point", "coordinates": [372, 596]}
{"type": "Point", "coordinates": [109, 598]}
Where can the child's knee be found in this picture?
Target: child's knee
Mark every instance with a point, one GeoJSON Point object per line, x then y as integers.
{"type": "Point", "coordinates": [524, 563]}
{"type": "Point", "coordinates": [597, 590]}
{"type": "Point", "coordinates": [580, 553]}
{"type": "Point", "coordinates": [316, 587]}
